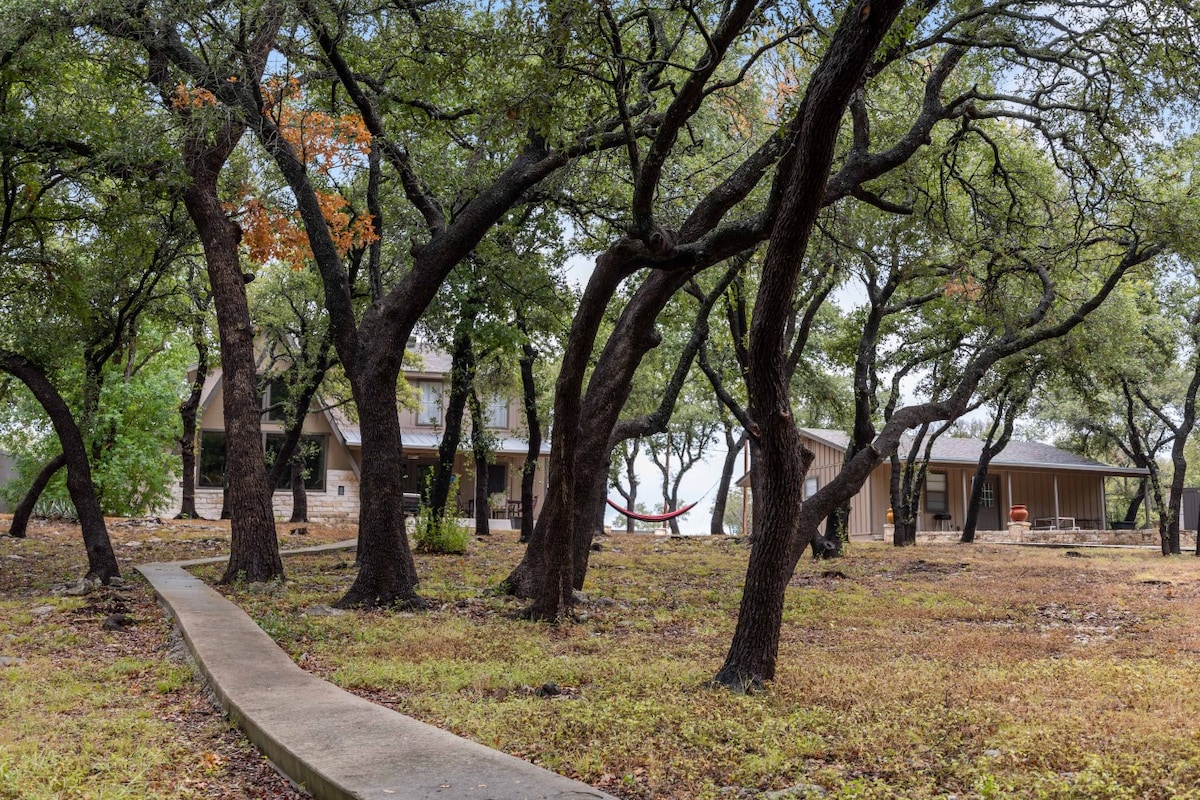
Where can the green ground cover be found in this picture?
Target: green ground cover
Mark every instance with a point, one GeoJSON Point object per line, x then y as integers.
{"type": "Point", "coordinates": [931, 672]}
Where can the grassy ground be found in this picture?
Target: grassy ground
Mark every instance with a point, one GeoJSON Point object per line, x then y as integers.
{"type": "Point", "coordinates": [87, 712]}
{"type": "Point", "coordinates": [936, 671]}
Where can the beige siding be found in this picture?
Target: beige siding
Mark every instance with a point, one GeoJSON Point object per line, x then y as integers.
{"type": "Point", "coordinates": [1079, 496]}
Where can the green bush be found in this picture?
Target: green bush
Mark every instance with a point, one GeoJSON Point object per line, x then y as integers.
{"type": "Point", "coordinates": [440, 534]}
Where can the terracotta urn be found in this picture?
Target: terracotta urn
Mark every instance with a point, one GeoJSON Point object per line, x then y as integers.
{"type": "Point", "coordinates": [891, 518]}
{"type": "Point", "coordinates": [1018, 513]}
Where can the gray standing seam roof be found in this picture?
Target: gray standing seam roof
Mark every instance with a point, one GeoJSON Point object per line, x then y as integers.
{"type": "Point", "coordinates": [1017, 454]}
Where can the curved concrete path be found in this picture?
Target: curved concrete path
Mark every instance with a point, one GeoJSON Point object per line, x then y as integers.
{"type": "Point", "coordinates": [334, 744]}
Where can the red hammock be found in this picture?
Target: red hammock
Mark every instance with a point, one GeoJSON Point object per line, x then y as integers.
{"type": "Point", "coordinates": [652, 517]}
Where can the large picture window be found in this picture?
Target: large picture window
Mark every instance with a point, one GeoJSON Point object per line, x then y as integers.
{"type": "Point", "coordinates": [936, 497]}
{"type": "Point", "coordinates": [313, 448]}
{"type": "Point", "coordinates": [212, 459]}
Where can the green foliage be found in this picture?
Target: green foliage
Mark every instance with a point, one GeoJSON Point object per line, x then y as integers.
{"type": "Point", "coordinates": [130, 438]}
{"type": "Point", "coordinates": [440, 534]}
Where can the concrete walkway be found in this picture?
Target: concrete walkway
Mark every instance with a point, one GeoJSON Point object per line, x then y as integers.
{"type": "Point", "coordinates": [329, 742]}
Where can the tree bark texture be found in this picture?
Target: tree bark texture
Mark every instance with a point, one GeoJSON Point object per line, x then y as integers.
{"type": "Point", "coordinates": [189, 411]}
{"type": "Point", "coordinates": [299, 493]}
{"type": "Point", "coordinates": [102, 561]}
{"type": "Point", "coordinates": [387, 575]}
{"type": "Point", "coordinates": [479, 452]}
{"type": "Point", "coordinates": [462, 378]}
{"type": "Point", "coordinates": [781, 459]}
{"type": "Point", "coordinates": [534, 426]}
{"type": "Point", "coordinates": [254, 547]}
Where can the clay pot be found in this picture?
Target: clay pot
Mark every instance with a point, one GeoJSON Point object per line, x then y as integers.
{"type": "Point", "coordinates": [1018, 513]}
{"type": "Point", "coordinates": [891, 518]}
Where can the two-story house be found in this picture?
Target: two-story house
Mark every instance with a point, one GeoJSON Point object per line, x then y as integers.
{"type": "Point", "coordinates": [334, 447]}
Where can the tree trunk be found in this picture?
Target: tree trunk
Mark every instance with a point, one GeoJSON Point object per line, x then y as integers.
{"type": "Point", "coordinates": [479, 452]}
{"type": "Point", "coordinates": [533, 424]}
{"type": "Point", "coordinates": [387, 575]}
{"type": "Point", "coordinates": [24, 509]}
{"type": "Point", "coordinates": [1131, 512]}
{"type": "Point", "coordinates": [734, 449]}
{"type": "Point", "coordinates": [102, 561]}
{"type": "Point", "coordinates": [299, 494]}
{"type": "Point", "coordinates": [188, 413]}
{"type": "Point", "coordinates": [462, 378]}
{"type": "Point", "coordinates": [781, 460]}
{"type": "Point", "coordinates": [254, 547]}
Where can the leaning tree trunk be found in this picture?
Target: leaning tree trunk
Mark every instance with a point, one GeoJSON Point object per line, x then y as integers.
{"type": "Point", "coordinates": [533, 424]}
{"type": "Point", "coordinates": [24, 509]}
{"type": "Point", "coordinates": [781, 460]}
{"type": "Point", "coordinates": [717, 525]}
{"type": "Point", "coordinates": [462, 377]}
{"type": "Point", "coordinates": [102, 561]}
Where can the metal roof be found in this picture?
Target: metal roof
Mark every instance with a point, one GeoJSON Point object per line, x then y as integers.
{"type": "Point", "coordinates": [1016, 455]}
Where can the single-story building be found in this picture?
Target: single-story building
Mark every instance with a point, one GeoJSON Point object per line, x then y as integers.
{"type": "Point", "coordinates": [1060, 490]}
{"type": "Point", "coordinates": [335, 444]}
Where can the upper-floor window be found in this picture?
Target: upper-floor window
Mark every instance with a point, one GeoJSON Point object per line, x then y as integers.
{"type": "Point", "coordinates": [497, 412]}
{"type": "Point", "coordinates": [278, 397]}
{"type": "Point", "coordinates": [430, 410]}
{"type": "Point", "coordinates": [936, 496]}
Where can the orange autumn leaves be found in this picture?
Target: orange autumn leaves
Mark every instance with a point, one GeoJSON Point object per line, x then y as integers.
{"type": "Point", "coordinates": [330, 146]}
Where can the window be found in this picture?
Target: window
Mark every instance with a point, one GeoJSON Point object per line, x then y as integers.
{"type": "Point", "coordinates": [278, 397]}
{"type": "Point", "coordinates": [936, 496]}
{"type": "Point", "coordinates": [313, 448]}
{"type": "Point", "coordinates": [497, 480]}
{"type": "Point", "coordinates": [212, 459]}
{"type": "Point", "coordinates": [497, 412]}
{"type": "Point", "coordinates": [810, 487]}
{"type": "Point", "coordinates": [430, 410]}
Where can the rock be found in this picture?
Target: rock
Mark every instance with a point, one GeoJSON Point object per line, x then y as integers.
{"type": "Point", "coordinates": [84, 586]}
{"type": "Point", "coordinates": [41, 611]}
{"type": "Point", "coordinates": [991, 753]}
{"type": "Point", "coordinates": [548, 690]}
{"type": "Point", "coordinates": [801, 791]}
{"type": "Point", "coordinates": [133, 543]}
{"type": "Point", "coordinates": [11, 661]}
{"type": "Point", "coordinates": [117, 622]}
{"type": "Point", "coordinates": [606, 602]}
{"type": "Point", "coordinates": [324, 611]}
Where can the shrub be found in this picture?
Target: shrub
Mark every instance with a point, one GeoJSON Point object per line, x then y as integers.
{"type": "Point", "coordinates": [440, 534]}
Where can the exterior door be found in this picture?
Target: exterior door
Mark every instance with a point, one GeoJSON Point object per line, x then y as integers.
{"type": "Point", "coordinates": [989, 505]}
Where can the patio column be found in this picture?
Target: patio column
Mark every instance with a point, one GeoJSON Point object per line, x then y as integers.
{"type": "Point", "coordinates": [1056, 499]}
{"type": "Point", "coordinates": [1103, 504]}
{"type": "Point", "coordinates": [964, 494]}
{"type": "Point", "coordinates": [1010, 496]}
